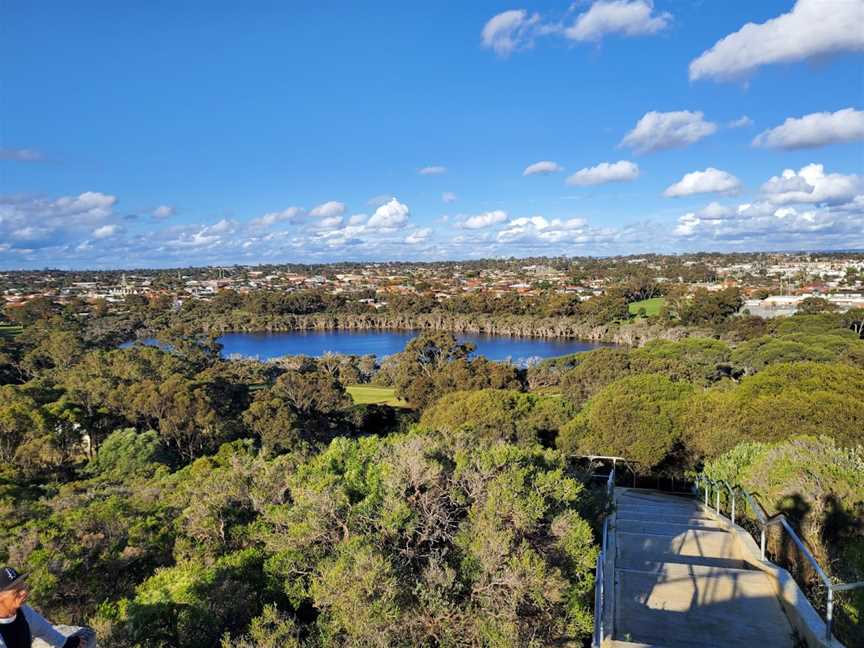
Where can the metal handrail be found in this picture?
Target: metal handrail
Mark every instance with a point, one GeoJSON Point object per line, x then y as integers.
{"type": "Point", "coordinates": [600, 594]}
{"type": "Point", "coordinates": [779, 519]}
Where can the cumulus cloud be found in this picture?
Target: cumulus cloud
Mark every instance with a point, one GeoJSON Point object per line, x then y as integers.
{"type": "Point", "coordinates": [486, 219]}
{"type": "Point", "coordinates": [389, 215]}
{"type": "Point", "coordinates": [762, 227]}
{"type": "Point", "coordinates": [625, 17]}
{"type": "Point", "coordinates": [812, 28]}
{"type": "Point", "coordinates": [811, 185]}
{"type": "Point", "coordinates": [37, 222]}
{"type": "Point", "coordinates": [432, 170]}
{"type": "Point", "coordinates": [710, 180]}
{"type": "Point", "coordinates": [90, 204]}
{"type": "Point", "coordinates": [377, 201]}
{"type": "Point", "coordinates": [205, 236]}
{"type": "Point", "coordinates": [418, 236]}
{"type": "Point", "coordinates": [357, 219]}
{"type": "Point", "coordinates": [815, 129]}
{"type": "Point", "coordinates": [21, 155]}
{"type": "Point", "coordinates": [544, 167]}
{"type": "Point", "coordinates": [105, 231]}
{"type": "Point", "coordinates": [448, 197]}
{"type": "Point", "coordinates": [807, 209]}
{"type": "Point", "coordinates": [543, 231]}
{"type": "Point", "coordinates": [509, 31]}
{"type": "Point", "coordinates": [657, 131]}
{"type": "Point", "coordinates": [223, 226]}
{"type": "Point", "coordinates": [328, 209]}
{"type": "Point", "coordinates": [621, 171]}
{"type": "Point", "coordinates": [329, 222]}
{"type": "Point", "coordinates": [290, 215]}
{"type": "Point", "coordinates": [163, 211]}
{"type": "Point", "coordinates": [742, 122]}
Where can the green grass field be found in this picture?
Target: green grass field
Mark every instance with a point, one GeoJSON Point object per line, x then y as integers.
{"type": "Point", "coordinates": [372, 395]}
{"type": "Point", "coordinates": [651, 306]}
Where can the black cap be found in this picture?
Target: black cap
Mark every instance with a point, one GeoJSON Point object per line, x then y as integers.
{"type": "Point", "coordinates": [9, 577]}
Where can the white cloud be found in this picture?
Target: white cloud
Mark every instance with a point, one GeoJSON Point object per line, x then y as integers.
{"type": "Point", "coordinates": [710, 180]}
{"type": "Point", "coordinates": [807, 209]}
{"type": "Point", "coordinates": [544, 167]}
{"type": "Point", "coordinates": [811, 185]}
{"type": "Point", "coordinates": [21, 155]}
{"type": "Point", "coordinates": [742, 122]}
{"type": "Point", "coordinates": [206, 236]}
{"type": "Point", "coordinates": [357, 219]}
{"type": "Point", "coordinates": [286, 215]}
{"type": "Point", "coordinates": [761, 226]}
{"type": "Point", "coordinates": [329, 222]}
{"type": "Point", "coordinates": [91, 203]}
{"type": "Point", "coordinates": [486, 219]}
{"type": "Point", "coordinates": [328, 209]}
{"type": "Point", "coordinates": [621, 171]}
{"type": "Point", "coordinates": [432, 170]}
{"type": "Point", "coordinates": [195, 240]}
{"type": "Point", "coordinates": [418, 236]}
{"type": "Point", "coordinates": [448, 197]}
{"type": "Point", "coordinates": [390, 215]}
{"type": "Point", "coordinates": [815, 129]}
{"type": "Point", "coordinates": [657, 131]}
{"type": "Point", "coordinates": [812, 28]}
{"type": "Point", "coordinates": [540, 230]}
{"type": "Point", "coordinates": [223, 226]}
{"type": "Point", "coordinates": [163, 211]}
{"type": "Point", "coordinates": [377, 201]}
{"type": "Point", "coordinates": [509, 31]}
{"type": "Point", "coordinates": [105, 231]}
{"type": "Point", "coordinates": [626, 17]}
{"type": "Point", "coordinates": [46, 223]}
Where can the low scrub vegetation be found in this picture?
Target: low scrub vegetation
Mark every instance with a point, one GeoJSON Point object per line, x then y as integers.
{"type": "Point", "coordinates": [170, 497]}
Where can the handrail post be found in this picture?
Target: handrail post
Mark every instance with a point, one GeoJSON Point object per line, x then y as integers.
{"type": "Point", "coordinates": [829, 614]}
{"type": "Point", "coordinates": [762, 542]}
{"type": "Point", "coordinates": [717, 498]}
{"type": "Point", "coordinates": [732, 495]}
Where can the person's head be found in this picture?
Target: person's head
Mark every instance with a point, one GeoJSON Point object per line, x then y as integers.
{"type": "Point", "coordinates": [13, 591]}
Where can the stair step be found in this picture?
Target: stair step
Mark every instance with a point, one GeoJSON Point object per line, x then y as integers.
{"type": "Point", "coordinates": [680, 580]}
{"type": "Point", "coordinates": [635, 548]}
{"type": "Point", "coordinates": [694, 605]}
{"type": "Point", "coordinates": [663, 527]}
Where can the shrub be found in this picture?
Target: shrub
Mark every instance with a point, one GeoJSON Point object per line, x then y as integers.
{"type": "Point", "coordinates": [696, 359]}
{"type": "Point", "coordinates": [596, 369]}
{"type": "Point", "coordinates": [498, 414]}
{"type": "Point", "coordinates": [775, 404]}
{"type": "Point", "coordinates": [405, 541]}
{"type": "Point", "coordinates": [638, 417]}
{"type": "Point", "coordinates": [756, 354]}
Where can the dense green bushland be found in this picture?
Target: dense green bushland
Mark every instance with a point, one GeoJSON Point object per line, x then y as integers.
{"type": "Point", "coordinates": [638, 417]}
{"type": "Point", "coordinates": [170, 497]}
{"type": "Point", "coordinates": [400, 541]}
{"type": "Point", "coordinates": [498, 414]}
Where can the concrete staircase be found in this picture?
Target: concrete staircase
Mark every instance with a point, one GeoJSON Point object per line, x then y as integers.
{"type": "Point", "coordinates": [681, 580]}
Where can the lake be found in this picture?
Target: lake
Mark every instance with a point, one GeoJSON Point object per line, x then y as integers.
{"type": "Point", "coordinates": [265, 346]}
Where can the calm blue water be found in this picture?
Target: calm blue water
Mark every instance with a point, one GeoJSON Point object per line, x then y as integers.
{"type": "Point", "coordinates": [382, 343]}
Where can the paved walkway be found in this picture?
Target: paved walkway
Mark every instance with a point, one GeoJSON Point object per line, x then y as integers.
{"type": "Point", "coordinates": [680, 581]}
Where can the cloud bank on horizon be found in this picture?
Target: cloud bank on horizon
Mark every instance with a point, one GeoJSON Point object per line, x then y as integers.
{"type": "Point", "coordinates": [742, 127]}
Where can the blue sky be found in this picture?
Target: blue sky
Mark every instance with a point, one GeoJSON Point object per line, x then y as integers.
{"type": "Point", "coordinates": [162, 134]}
